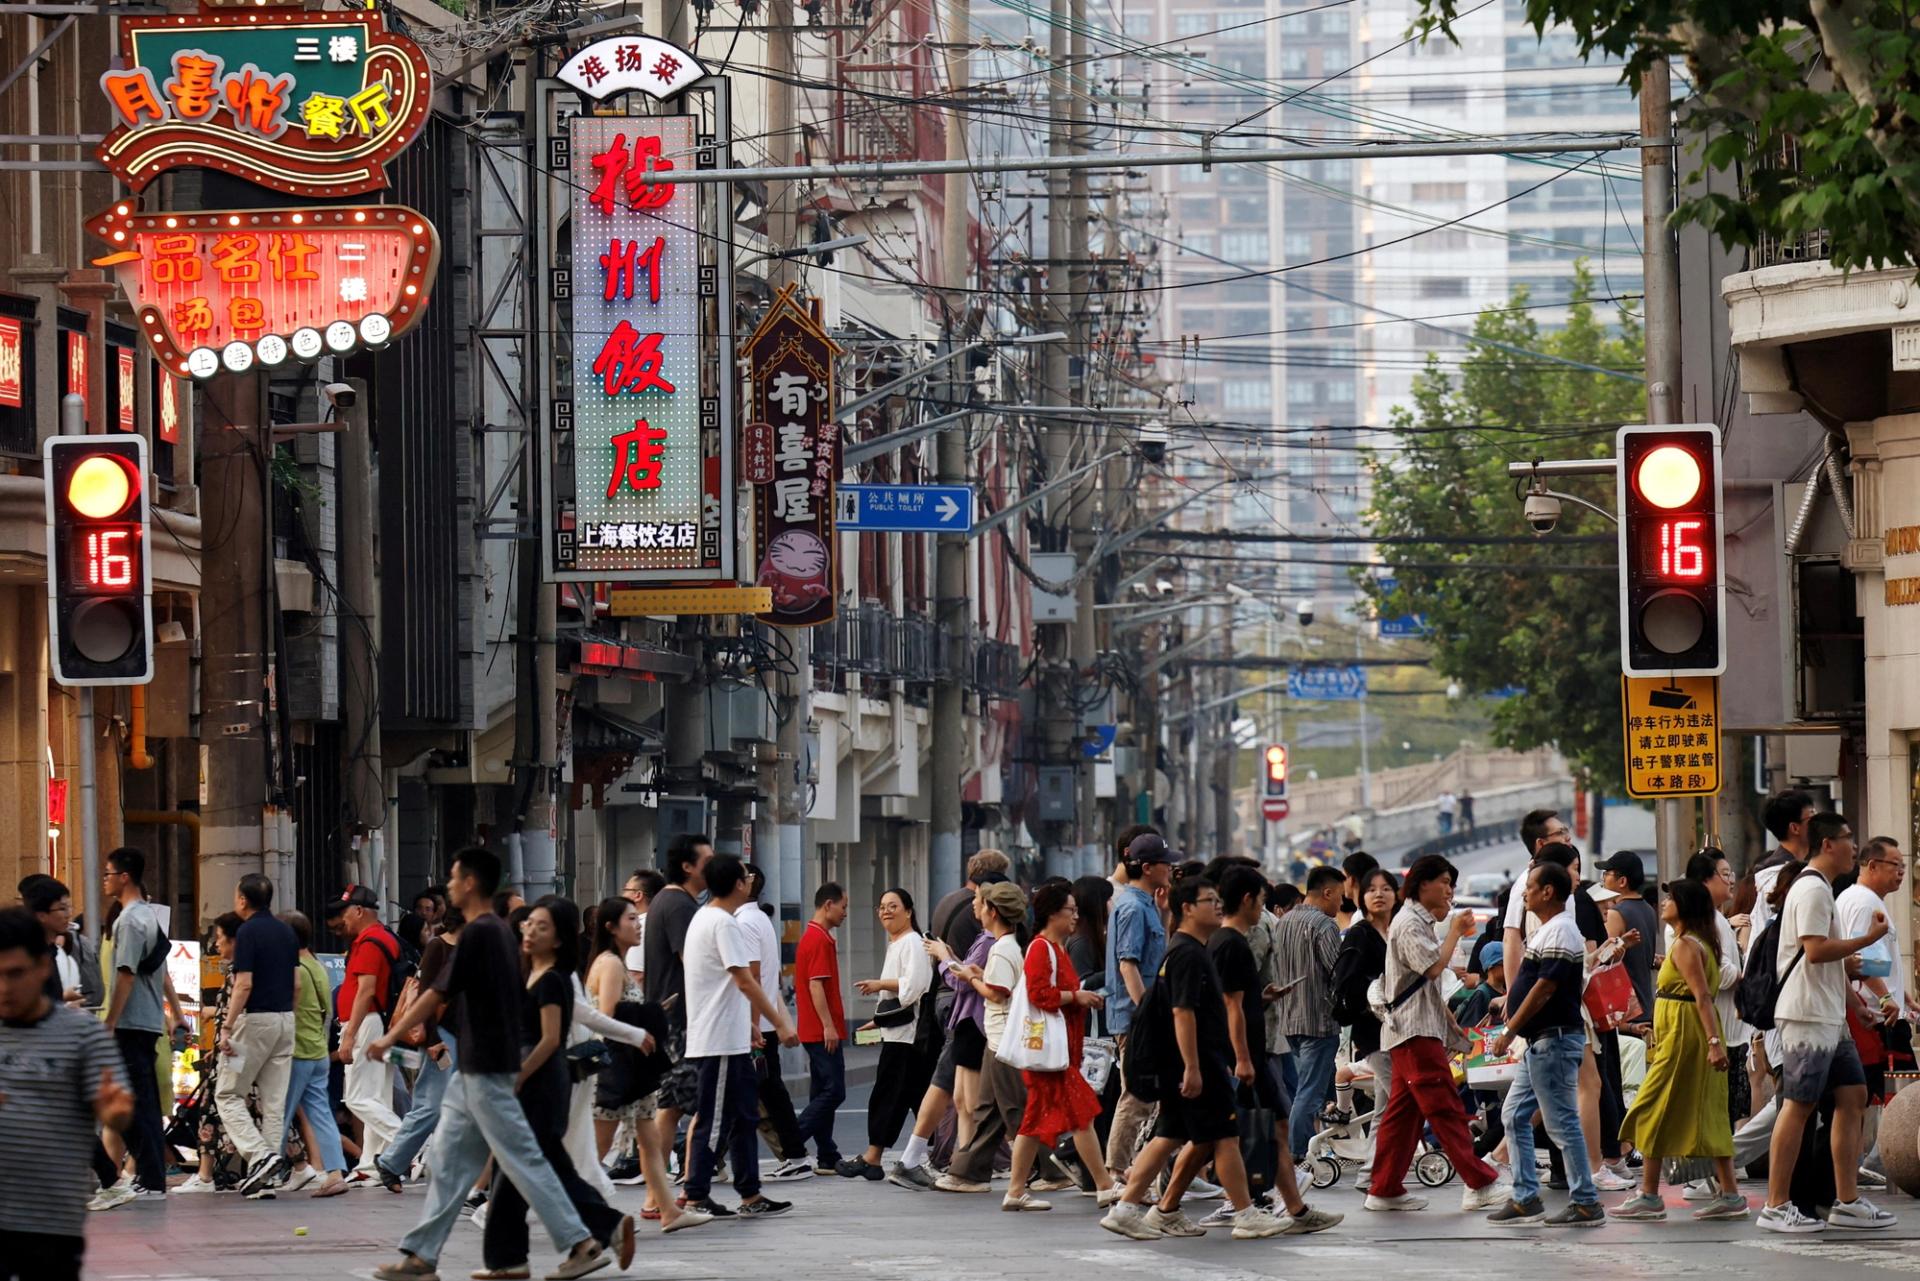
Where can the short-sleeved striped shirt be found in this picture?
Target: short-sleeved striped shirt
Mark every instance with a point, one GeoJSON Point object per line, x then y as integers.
{"type": "Point", "coordinates": [1307, 945]}
{"type": "Point", "coordinates": [49, 1072]}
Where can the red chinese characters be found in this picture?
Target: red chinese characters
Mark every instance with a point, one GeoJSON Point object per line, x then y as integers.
{"type": "Point", "coordinates": [637, 457]}
{"type": "Point", "coordinates": [624, 174]}
{"type": "Point", "coordinates": [630, 361]}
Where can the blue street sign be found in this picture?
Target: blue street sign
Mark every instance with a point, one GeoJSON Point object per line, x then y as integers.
{"type": "Point", "coordinates": [1405, 627]}
{"type": "Point", "coordinates": [1327, 684]}
{"type": "Point", "coordinates": [905, 509]}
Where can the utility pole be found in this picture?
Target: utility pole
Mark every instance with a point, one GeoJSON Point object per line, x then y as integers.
{"type": "Point", "coordinates": [952, 603]}
{"type": "Point", "coordinates": [365, 783]}
{"type": "Point", "coordinates": [1226, 751]}
{"type": "Point", "coordinates": [1662, 290]}
{"type": "Point", "coordinates": [1079, 288]}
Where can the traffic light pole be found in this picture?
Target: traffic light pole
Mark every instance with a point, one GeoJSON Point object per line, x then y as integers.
{"type": "Point", "coordinates": [73, 422]}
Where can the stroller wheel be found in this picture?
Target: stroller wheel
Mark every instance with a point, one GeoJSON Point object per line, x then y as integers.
{"type": "Point", "coordinates": [1433, 1169]}
{"type": "Point", "coordinates": [1326, 1172]}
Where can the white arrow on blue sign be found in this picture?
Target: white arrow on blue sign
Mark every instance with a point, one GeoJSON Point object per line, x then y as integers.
{"type": "Point", "coordinates": [904, 509]}
{"type": "Point", "coordinates": [1327, 684]}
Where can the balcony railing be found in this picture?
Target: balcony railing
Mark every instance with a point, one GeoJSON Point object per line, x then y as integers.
{"type": "Point", "coordinates": [1811, 246]}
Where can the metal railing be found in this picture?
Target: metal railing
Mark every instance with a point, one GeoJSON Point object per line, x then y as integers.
{"type": "Point", "coordinates": [1776, 251]}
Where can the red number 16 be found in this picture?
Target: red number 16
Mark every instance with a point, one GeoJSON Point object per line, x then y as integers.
{"type": "Point", "coordinates": [1681, 553]}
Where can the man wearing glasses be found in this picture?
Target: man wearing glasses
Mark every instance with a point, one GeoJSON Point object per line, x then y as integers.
{"type": "Point", "coordinates": [1875, 973]}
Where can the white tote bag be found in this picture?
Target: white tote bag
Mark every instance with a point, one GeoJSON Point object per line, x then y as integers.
{"type": "Point", "coordinates": [1034, 1040]}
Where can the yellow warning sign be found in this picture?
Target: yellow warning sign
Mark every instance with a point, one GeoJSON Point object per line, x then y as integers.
{"type": "Point", "coordinates": [642, 602]}
{"type": "Point", "coordinates": [1672, 725]}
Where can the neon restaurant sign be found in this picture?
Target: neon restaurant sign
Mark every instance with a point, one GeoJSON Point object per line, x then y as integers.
{"type": "Point", "coordinates": [305, 103]}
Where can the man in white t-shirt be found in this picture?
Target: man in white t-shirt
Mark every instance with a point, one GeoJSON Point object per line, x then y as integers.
{"type": "Point", "coordinates": [1541, 827]}
{"type": "Point", "coordinates": [722, 997]}
{"type": "Point", "coordinates": [1818, 1058]}
{"type": "Point", "coordinates": [639, 890]}
{"type": "Point", "coordinates": [1883, 869]}
{"type": "Point", "coordinates": [777, 1121]}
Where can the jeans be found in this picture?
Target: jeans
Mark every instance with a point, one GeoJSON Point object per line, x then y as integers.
{"type": "Point", "coordinates": [727, 1115]}
{"type": "Point", "coordinates": [1381, 1065]}
{"type": "Point", "coordinates": [504, 1243]}
{"type": "Point", "coordinates": [146, 1136]}
{"type": "Point", "coordinates": [1423, 1092]}
{"type": "Point", "coordinates": [417, 1127]}
{"type": "Point", "coordinates": [827, 1073]}
{"type": "Point", "coordinates": [367, 1090]}
{"type": "Point", "coordinates": [260, 1057]}
{"type": "Point", "coordinates": [1549, 1083]}
{"type": "Point", "coordinates": [480, 1114]}
{"type": "Point", "coordinates": [307, 1091]}
{"type": "Point", "coordinates": [1314, 1058]}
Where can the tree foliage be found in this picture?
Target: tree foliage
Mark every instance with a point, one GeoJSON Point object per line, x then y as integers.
{"type": "Point", "coordinates": [1554, 635]}
{"type": "Point", "coordinates": [1815, 102]}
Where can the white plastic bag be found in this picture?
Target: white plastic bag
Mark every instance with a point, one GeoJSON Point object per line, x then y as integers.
{"type": "Point", "coordinates": [1034, 1040]}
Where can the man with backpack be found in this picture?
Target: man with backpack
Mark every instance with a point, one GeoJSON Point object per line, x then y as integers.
{"type": "Point", "coordinates": [137, 1017]}
{"type": "Point", "coordinates": [1818, 1058]}
{"type": "Point", "coordinates": [376, 969]}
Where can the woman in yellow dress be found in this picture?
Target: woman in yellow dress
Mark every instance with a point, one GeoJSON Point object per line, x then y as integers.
{"type": "Point", "coordinates": [1681, 1110]}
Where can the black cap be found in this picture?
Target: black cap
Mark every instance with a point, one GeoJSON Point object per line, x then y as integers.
{"type": "Point", "coordinates": [1626, 863]}
{"type": "Point", "coordinates": [353, 896]}
{"type": "Point", "coordinates": [1149, 847]}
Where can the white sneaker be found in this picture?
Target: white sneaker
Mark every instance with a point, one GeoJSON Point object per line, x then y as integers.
{"type": "Point", "coordinates": [300, 1178]}
{"type": "Point", "coordinates": [1253, 1223]}
{"type": "Point", "coordinates": [1494, 1195]}
{"type": "Point", "coordinates": [479, 1216]}
{"type": "Point", "coordinates": [194, 1184]}
{"type": "Point", "coordinates": [1201, 1190]}
{"type": "Point", "coordinates": [1129, 1220]}
{"type": "Point", "coordinates": [113, 1196]}
{"type": "Point", "coordinates": [1110, 1197]}
{"type": "Point", "coordinates": [1787, 1218]}
{"type": "Point", "coordinates": [1405, 1201]}
{"type": "Point", "coordinates": [1872, 1178]}
{"type": "Point", "coordinates": [1176, 1224]}
{"type": "Point", "coordinates": [1702, 1190]}
{"type": "Point", "coordinates": [1859, 1213]}
{"type": "Point", "coordinates": [1026, 1202]}
{"type": "Point", "coordinates": [1609, 1179]}
{"type": "Point", "coordinates": [787, 1171]}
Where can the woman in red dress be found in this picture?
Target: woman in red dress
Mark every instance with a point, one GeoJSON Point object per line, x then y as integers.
{"type": "Point", "coordinates": [1058, 1102]}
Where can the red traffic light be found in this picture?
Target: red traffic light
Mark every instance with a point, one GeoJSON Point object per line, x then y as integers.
{"type": "Point", "coordinates": [99, 583]}
{"type": "Point", "coordinates": [102, 486]}
{"type": "Point", "coordinates": [1276, 761]}
{"type": "Point", "coordinates": [1672, 581]}
{"type": "Point", "coordinates": [1668, 476]}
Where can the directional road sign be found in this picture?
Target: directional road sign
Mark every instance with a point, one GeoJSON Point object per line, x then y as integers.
{"type": "Point", "coordinates": [904, 509]}
{"type": "Point", "coordinates": [1342, 683]}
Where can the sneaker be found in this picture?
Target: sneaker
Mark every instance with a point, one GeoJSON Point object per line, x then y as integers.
{"type": "Point", "coordinates": [1049, 1185]}
{"type": "Point", "coordinates": [1647, 1209]}
{"type": "Point", "coordinates": [919, 1178]}
{"type": "Point", "coordinates": [1731, 1206]}
{"type": "Point", "coordinates": [1310, 1220]}
{"type": "Point", "coordinates": [388, 1179]}
{"type": "Point", "coordinates": [195, 1184]}
{"type": "Point", "coordinates": [1702, 1190]}
{"type": "Point", "coordinates": [300, 1178]}
{"type": "Point", "coordinates": [1129, 1220]}
{"type": "Point", "coordinates": [1872, 1178]}
{"type": "Point", "coordinates": [827, 1165]}
{"type": "Point", "coordinates": [1579, 1216]}
{"type": "Point", "coordinates": [689, 1218]}
{"type": "Point", "coordinates": [1303, 1174]}
{"type": "Point", "coordinates": [1253, 1223]}
{"type": "Point", "coordinates": [1025, 1203]}
{"type": "Point", "coordinates": [627, 1173]}
{"type": "Point", "coordinates": [406, 1268]}
{"type": "Point", "coordinates": [475, 1199]}
{"type": "Point", "coordinates": [1110, 1197]}
{"type": "Point", "coordinates": [1176, 1224]}
{"type": "Point", "coordinates": [260, 1175]}
{"type": "Point", "coordinates": [1493, 1194]}
{"type": "Point", "coordinates": [335, 1187]}
{"type": "Point", "coordinates": [764, 1208]}
{"type": "Point", "coordinates": [1784, 1218]}
{"type": "Point", "coordinates": [1611, 1180]}
{"type": "Point", "coordinates": [1221, 1217]}
{"type": "Point", "coordinates": [1405, 1201]}
{"type": "Point", "coordinates": [1519, 1214]}
{"type": "Point", "coordinates": [360, 1178]}
{"type": "Point", "coordinates": [1860, 1214]}
{"type": "Point", "coordinates": [580, 1264]}
{"type": "Point", "coordinates": [113, 1196]}
{"type": "Point", "coordinates": [1201, 1190]}
{"type": "Point", "coordinates": [787, 1171]}
{"type": "Point", "coordinates": [954, 1183]}
{"type": "Point", "coordinates": [479, 1216]}
{"type": "Point", "coordinates": [713, 1209]}
{"type": "Point", "coordinates": [856, 1167]}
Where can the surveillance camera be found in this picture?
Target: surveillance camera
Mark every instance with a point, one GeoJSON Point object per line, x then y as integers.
{"type": "Point", "coordinates": [340, 395]}
{"type": "Point", "coordinates": [1163, 586]}
{"type": "Point", "coordinates": [1543, 512]}
{"type": "Point", "coordinates": [1304, 612]}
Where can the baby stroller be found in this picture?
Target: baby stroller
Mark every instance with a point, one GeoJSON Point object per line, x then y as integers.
{"type": "Point", "coordinates": [1342, 1147]}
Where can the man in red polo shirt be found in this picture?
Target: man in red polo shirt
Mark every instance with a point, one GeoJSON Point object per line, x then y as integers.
{"type": "Point", "coordinates": [823, 1024]}
{"type": "Point", "coordinates": [360, 1003]}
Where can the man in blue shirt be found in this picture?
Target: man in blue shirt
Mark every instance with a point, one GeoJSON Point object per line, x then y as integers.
{"type": "Point", "coordinates": [256, 1045]}
{"type": "Point", "coordinates": [1136, 944]}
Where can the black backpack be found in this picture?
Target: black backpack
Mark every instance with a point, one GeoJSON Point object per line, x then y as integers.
{"type": "Point", "coordinates": [403, 963]}
{"type": "Point", "coordinates": [156, 952]}
{"type": "Point", "coordinates": [1760, 985]}
{"type": "Point", "coordinates": [1151, 1048]}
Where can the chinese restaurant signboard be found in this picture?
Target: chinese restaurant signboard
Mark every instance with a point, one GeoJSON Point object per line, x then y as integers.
{"type": "Point", "coordinates": [12, 357]}
{"type": "Point", "coordinates": [789, 362]}
{"type": "Point", "coordinates": [308, 103]}
{"type": "Point", "coordinates": [647, 495]}
{"type": "Point", "coordinates": [227, 290]}
{"type": "Point", "coordinates": [636, 64]}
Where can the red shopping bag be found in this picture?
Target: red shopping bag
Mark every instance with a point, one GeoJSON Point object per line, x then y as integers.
{"type": "Point", "coordinates": [1610, 1000]}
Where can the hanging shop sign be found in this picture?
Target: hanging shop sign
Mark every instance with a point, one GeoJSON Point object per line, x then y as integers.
{"type": "Point", "coordinates": [648, 500]}
{"type": "Point", "coordinates": [226, 290]}
{"type": "Point", "coordinates": [631, 64]}
{"type": "Point", "coordinates": [789, 362]}
{"type": "Point", "coordinates": [309, 103]}
{"type": "Point", "coordinates": [13, 353]}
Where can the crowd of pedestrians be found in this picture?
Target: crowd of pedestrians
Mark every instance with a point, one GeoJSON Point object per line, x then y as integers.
{"type": "Point", "coordinates": [1177, 1033]}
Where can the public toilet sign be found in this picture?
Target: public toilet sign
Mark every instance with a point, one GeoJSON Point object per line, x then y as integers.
{"type": "Point", "coordinates": [308, 103]}
{"type": "Point", "coordinates": [223, 291]}
{"type": "Point", "coordinates": [1672, 729]}
{"type": "Point", "coordinates": [922, 509]}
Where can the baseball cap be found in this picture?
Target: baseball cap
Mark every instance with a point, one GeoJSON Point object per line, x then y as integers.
{"type": "Point", "coordinates": [1626, 863]}
{"type": "Point", "coordinates": [1492, 954]}
{"type": "Point", "coordinates": [1149, 847]}
{"type": "Point", "coordinates": [353, 896]}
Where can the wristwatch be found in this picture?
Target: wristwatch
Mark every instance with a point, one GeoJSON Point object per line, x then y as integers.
{"type": "Point", "coordinates": [1713, 1040]}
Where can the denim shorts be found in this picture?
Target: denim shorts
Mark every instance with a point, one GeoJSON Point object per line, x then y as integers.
{"type": "Point", "coordinates": [1812, 1071]}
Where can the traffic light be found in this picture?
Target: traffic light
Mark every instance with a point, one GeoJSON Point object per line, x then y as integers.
{"type": "Point", "coordinates": [1673, 582]}
{"type": "Point", "coordinates": [99, 581]}
{"type": "Point", "coordinates": [1276, 772]}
